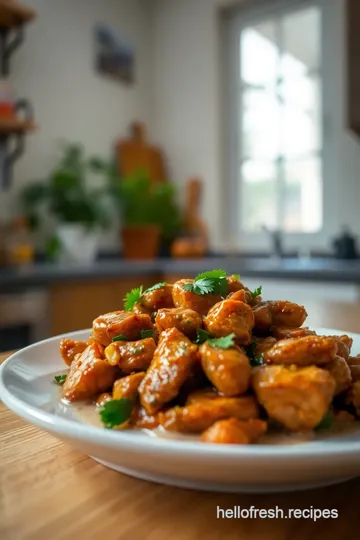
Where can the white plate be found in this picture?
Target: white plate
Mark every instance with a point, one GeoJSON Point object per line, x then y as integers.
{"type": "Point", "coordinates": [26, 388]}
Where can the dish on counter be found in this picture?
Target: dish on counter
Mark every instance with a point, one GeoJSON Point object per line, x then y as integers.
{"type": "Point", "coordinates": [208, 358]}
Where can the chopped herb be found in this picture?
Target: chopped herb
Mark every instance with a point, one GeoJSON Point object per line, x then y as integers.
{"type": "Point", "coordinates": [120, 337]}
{"type": "Point", "coordinates": [223, 343]}
{"type": "Point", "coordinates": [257, 361]}
{"type": "Point", "coordinates": [236, 276]}
{"type": "Point", "coordinates": [132, 297]}
{"type": "Point", "coordinates": [201, 336]}
{"type": "Point", "coordinates": [156, 286]}
{"type": "Point", "coordinates": [254, 359]}
{"type": "Point", "coordinates": [116, 412]}
{"type": "Point", "coordinates": [257, 292]}
{"type": "Point", "coordinates": [146, 334]}
{"type": "Point", "coordinates": [213, 282]}
{"type": "Point", "coordinates": [326, 422]}
{"type": "Point", "coordinates": [60, 379]}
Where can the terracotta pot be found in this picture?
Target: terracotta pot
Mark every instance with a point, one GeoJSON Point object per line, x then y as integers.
{"type": "Point", "coordinates": [141, 242]}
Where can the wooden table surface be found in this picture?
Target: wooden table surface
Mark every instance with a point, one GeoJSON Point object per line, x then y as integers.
{"type": "Point", "coordinates": [49, 491]}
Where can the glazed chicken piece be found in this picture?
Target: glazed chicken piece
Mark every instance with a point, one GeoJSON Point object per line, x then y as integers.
{"type": "Point", "coordinates": [89, 375]}
{"type": "Point", "coordinates": [227, 369]}
{"type": "Point", "coordinates": [201, 395]}
{"type": "Point", "coordinates": [172, 364]}
{"type": "Point", "coordinates": [283, 332]}
{"type": "Point", "coordinates": [185, 320]}
{"type": "Point", "coordinates": [186, 299]}
{"type": "Point", "coordinates": [235, 285]}
{"type": "Point", "coordinates": [200, 415]}
{"type": "Point", "coordinates": [142, 420]}
{"type": "Point", "coordinates": [127, 387]}
{"type": "Point", "coordinates": [353, 396]}
{"type": "Point", "coordinates": [103, 398]}
{"type": "Point", "coordinates": [233, 431]}
{"type": "Point", "coordinates": [131, 355]}
{"type": "Point", "coordinates": [355, 372]}
{"type": "Point", "coordinates": [110, 325]}
{"type": "Point", "coordinates": [69, 348]}
{"type": "Point", "coordinates": [229, 317]}
{"type": "Point", "coordinates": [341, 373]}
{"type": "Point", "coordinates": [305, 351]}
{"type": "Point", "coordinates": [262, 345]}
{"type": "Point", "coordinates": [344, 344]}
{"type": "Point", "coordinates": [278, 313]}
{"type": "Point", "coordinates": [158, 298]}
{"type": "Point", "coordinates": [298, 398]}
{"type": "Point", "coordinates": [354, 360]}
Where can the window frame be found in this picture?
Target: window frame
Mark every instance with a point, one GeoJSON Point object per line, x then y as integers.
{"type": "Point", "coordinates": [252, 13]}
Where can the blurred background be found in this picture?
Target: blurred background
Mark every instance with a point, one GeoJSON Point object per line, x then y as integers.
{"type": "Point", "coordinates": [148, 140]}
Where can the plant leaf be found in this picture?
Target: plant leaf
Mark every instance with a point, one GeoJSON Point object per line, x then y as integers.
{"type": "Point", "coordinates": [257, 292]}
{"type": "Point", "coordinates": [156, 286]}
{"type": "Point", "coordinates": [60, 379]}
{"type": "Point", "coordinates": [202, 336]}
{"type": "Point", "coordinates": [223, 343]}
{"type": "Point", "coordinates": [236, 276]}
{"type": "Point", "coordinates": [120, 337]}
{"type": "Point", "coordinates": [116, 412]}
{"type": "Point", "coordinates": [146, 334]}
{"type": "Point", "coordinates": [132, 297]}
{"type": "Point", "coordinates": [326, 422]}
{"type": "Point", "coordinates": [212, 274]}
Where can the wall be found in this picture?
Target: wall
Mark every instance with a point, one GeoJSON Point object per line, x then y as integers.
{"type": "Point", "coordinates": [189, 116]}
{"type": "Point", "coordinates": [54, 69]}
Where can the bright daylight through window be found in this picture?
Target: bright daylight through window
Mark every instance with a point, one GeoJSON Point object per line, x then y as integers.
{"type": "Point", "coordinates": [279, 170]}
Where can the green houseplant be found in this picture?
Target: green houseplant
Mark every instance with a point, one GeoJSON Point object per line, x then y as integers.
{"type": "Point", "coordinates": [77, 209]}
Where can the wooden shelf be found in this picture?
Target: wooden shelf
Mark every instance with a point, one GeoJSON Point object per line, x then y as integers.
{"type": "Point", "coordinates": [15, 125]}
{"type": "Point", "coordinates": [12, 13]}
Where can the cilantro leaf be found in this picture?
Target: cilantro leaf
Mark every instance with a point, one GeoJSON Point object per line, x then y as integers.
{"type": "Point", "coordinates": [236, 276]}
{"type": "Point", "coordinates": [116, 412]}
{"type": "Point", "coordinates": [223, 343]}
{"type": "Point", "coordinates": [213, 282]}
{"type": "Point", "coordinates": [156, 286]}
{"type": "Point", "coordinates": [146, 334]}
{"type": "Point", "coordinates": [201, 336]}
{"type": "Point", "coordinates": [132, 297]}
{"type": "Point", "coordinates": [60, 379]}
{"type": "Point", "coordinates": [212, 274]}
{"type": "Point", "coordinates": [326, 422]}
{"type": "Point", "coordinates": [257, 292]}
{"type": "Point", "coordinates": [120, 337]}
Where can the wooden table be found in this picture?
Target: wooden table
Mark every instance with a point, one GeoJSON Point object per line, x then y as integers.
{"type": "Point", "coordinates": [49, 491]}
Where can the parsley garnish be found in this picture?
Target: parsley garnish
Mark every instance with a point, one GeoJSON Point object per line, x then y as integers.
{"type": "Point", "coordinates": [212, 282]}
{"type": "Point", "coordinates": [223, 343]}
{"type": "Point", "coordinates": [326, 422]}
{"type": "Point", "coordinates": [116, 412]}
{"type": "Point", "coordinates": [257, 292]}
{"type": "Point", "coordinates": [236, 276]}
{"type": "Point", "coordinates": [121, 337]}
{"type": "Point", "coordinates": [255, 360]}
{"type": "Point", "coordinates": [60, 379]}
{"type": "Point", "coordinates": [146, 334]}
{"type": "Point", "coordinates": [201, 336]}
{"type": "Point", "coordinates": [132, 297]}
{"type": "Point", "coordinates": [156, 286]}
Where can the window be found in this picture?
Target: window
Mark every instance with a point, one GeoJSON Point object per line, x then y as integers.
{"type": "Point", "coordinates": [277, 159]}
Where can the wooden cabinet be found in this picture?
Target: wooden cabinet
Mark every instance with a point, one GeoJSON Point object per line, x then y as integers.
{"type": "Point", "coordinates": [75, 305]}
{"type": "Point", "coordinates": [353, 64]}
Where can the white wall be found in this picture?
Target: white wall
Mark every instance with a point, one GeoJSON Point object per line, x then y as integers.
{"type": "Point", "coordinates": [54, 70]}
{"type": "Point", "coordinates": [189, 116]}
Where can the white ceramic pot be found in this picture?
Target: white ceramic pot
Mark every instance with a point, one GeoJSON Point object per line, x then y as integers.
{"type": "Point", "coordinates": [78, 244]}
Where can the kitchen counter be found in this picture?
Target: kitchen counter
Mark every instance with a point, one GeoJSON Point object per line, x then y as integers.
{"type": "Point", "coordinates": [317, 269]}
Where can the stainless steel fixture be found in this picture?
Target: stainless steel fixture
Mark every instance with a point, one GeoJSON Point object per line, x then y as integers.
{"type": "Point", "coordinates": [276, 242]}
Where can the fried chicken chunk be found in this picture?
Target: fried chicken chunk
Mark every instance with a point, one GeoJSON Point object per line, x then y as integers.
{"type": "Point", "coordinates": [89, 375]}
{"type": "Point", "coordinates": [171, 366]}
{"type": "Point", "coordinates": [233, 431]}
{"type": "Point", "coordinates": [127, 387]}
{"type": "Point", "coordinates": [227, 369]}
{"type": "Point", "coordinates": [341, 373]}
{"type": "Point", "coordinates": [278, 313]}
{"type": "Point", "coordinates": [156, 299]}
{"type": "Point", "coordinates": [69, 348]}
{"type": "Point", "coordinates": [131, 355]}
{"type": "Point", "coordinates": [110, 325]}
{"type": "Point", "coordinates": [187, 299]}
{"type": "Point", "coordinates": [200, 415]}
{"type": "Point", "coordinates": [305, 351]}
{"type": "Point", "coordinates": [184, 319]}
{"type": "Point", "coordinates": [283, 332]}
{"type": "Point", "coordinates": [298, 398]}
{"type": "Point", "coordinates": [230, 316]}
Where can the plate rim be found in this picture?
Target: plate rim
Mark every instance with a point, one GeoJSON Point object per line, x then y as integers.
{"type": "Point", "coordinates": [131, 441]}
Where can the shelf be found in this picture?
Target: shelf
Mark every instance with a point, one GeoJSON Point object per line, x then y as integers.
{"type": "Point", "coordinates": [9, 126]}
{"type": "Point", "coordinates": [12, 14]}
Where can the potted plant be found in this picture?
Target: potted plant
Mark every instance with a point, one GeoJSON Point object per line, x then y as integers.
{"type": "Point", "coordinates": [77, 209]}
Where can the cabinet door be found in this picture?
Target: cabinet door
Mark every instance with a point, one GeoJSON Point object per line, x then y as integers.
{"type": "Point", "coordinates": [353, 64]}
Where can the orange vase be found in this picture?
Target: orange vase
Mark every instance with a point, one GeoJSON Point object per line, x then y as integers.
{"type": "Point", "coordinates": [141, 242]}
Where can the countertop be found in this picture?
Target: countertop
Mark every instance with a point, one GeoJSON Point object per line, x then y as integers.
{"type": "Point", "coordinates": [49, 490]}
{"type": "Point", "coordinates": [314, 269]}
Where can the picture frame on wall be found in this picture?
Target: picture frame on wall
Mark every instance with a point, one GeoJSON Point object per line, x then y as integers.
{"type": "Point", "coordinates": [114, 56]}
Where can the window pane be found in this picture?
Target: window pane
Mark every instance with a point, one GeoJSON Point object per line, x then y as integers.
{"type": "Point", "coordinates": [258, 195]}
{"type": "Point", "coordinates": [303, 196]}
{"type": "Point", "coordinates": [259, 55]}
{"type": "Point", "coordinates": [260, 125]}
{"type": "Point", "coordinates": [300, 132]}
{"type": "Point", "coordinates": [301, 42]}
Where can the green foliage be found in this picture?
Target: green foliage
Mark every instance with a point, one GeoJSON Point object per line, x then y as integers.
{"type": "Point", "coordinates": [132, 298]}
{"type": "Point", "coordinates": [212, 282]}
{"type": "Point", "coordinates": [226, 342]}
{"type": "Point", "coordinates": [116, 412]}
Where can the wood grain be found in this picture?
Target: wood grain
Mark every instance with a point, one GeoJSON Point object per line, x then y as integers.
{"type": "Point", "coordinates": [50, 491]}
